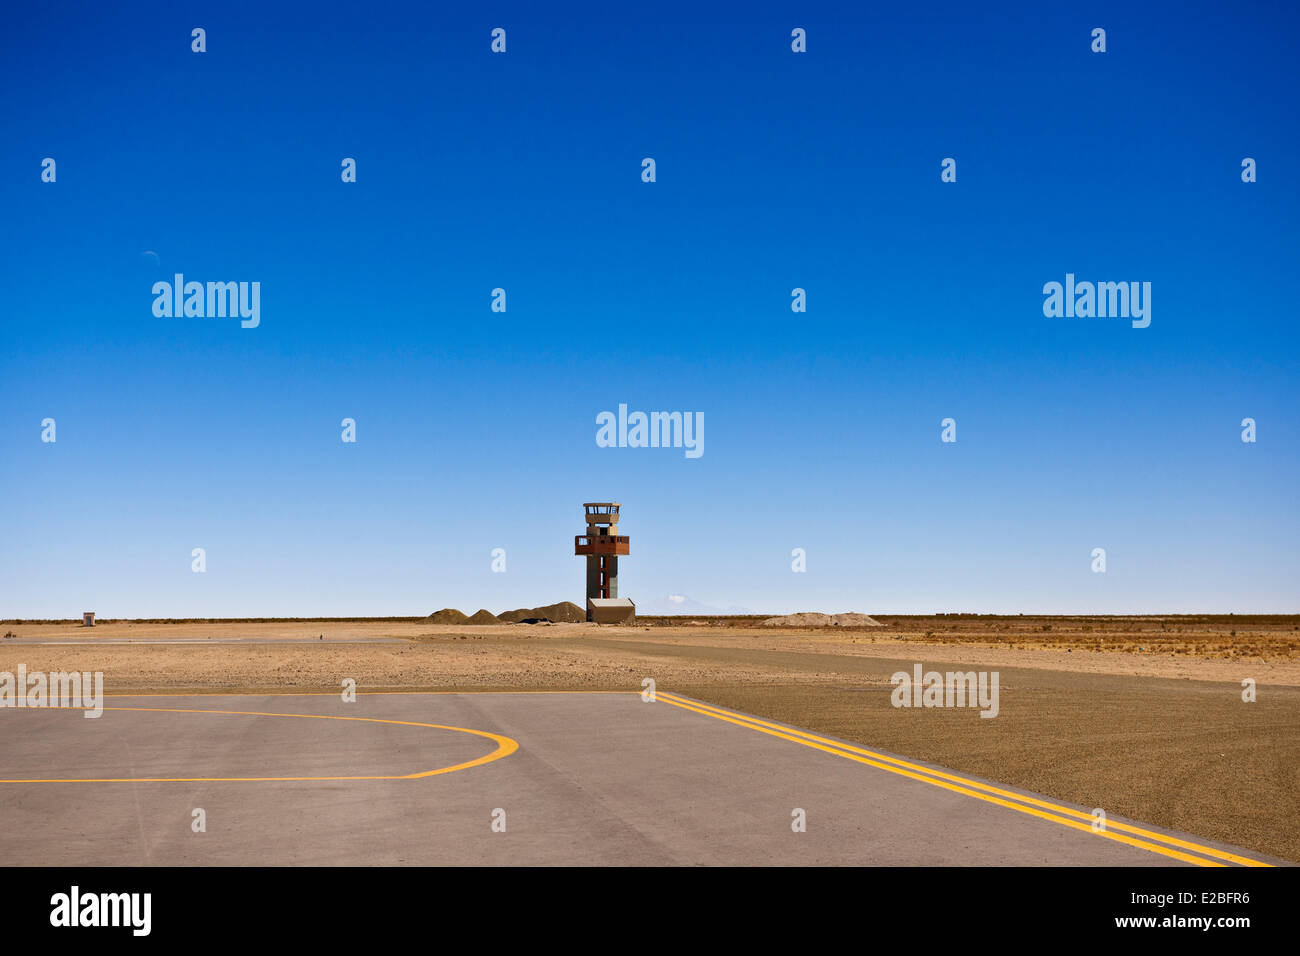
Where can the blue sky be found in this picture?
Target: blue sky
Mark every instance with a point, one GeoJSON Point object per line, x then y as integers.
{"type": "Point", "coordinates": [775, 170]}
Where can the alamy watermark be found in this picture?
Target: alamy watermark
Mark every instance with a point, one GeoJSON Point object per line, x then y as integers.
{"type": "Point", "coordinates": [1102, 300]}
{"type": "Point", "coordinates": [215, 300]}
{"type": "Point", "coordinates": [953, 689]}
{"type": "Point", "coordinates": [651, 430]}
{"type": "Point", "coordinates": [75, 908]}
{"type": "Point", "coordinates": [80, 690]}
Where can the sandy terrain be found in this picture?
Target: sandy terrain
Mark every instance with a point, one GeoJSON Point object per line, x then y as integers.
{"type": "Point", "coordinates": [713, 649]}
{"type": "Point", "coordinates": [1159, 733]}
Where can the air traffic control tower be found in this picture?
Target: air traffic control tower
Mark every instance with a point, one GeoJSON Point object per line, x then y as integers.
{"type": "Point", "coordinates": [602, 544]}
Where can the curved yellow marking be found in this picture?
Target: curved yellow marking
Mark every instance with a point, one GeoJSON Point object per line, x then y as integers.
{"type": "Point", "coordinates": [991, 794]}
{"type": "Point", "coordinates": [505, 747]}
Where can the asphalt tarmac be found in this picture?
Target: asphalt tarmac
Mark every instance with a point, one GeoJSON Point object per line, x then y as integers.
{"type": "Point", "coordinates": [511, 779]}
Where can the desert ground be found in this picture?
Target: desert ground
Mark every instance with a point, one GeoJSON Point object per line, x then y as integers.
{"type": "Point", "coordinates": [1142, 716]}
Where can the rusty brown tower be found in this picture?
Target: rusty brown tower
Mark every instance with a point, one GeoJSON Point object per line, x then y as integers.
{"type": "Point", "coordinates": [602, 545]}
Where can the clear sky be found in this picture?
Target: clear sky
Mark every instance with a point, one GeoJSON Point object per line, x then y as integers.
{"type": "Point", "coordinates": [523, 171]}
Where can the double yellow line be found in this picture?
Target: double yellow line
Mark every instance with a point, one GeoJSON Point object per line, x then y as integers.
{"type": "Point", "coordinates": [1165, 844]}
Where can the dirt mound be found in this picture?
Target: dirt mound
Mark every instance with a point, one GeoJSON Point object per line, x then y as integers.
{"type": "Point", "coordinates": [814, 619]}
{"type": "Point", "coordinates": [448, 615]}
{"type": "Point", "coordinates": [566, 612]}
{"type": "Point", "coordinates": [483, 616]}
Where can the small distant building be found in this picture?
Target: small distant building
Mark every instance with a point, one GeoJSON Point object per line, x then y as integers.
{"type": "Point", "coordinates": [610, 610]}
{"type": "Point", "coordinates": [88, 619]}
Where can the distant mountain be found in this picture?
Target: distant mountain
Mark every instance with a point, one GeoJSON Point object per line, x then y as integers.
{"type": "Point", "coordinates": [683, 604]}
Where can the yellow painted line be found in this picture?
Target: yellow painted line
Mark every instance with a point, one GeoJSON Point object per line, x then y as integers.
{"type": "Point", "coordinates": [1054, 807]}
{"type": "Point", "coordinates": [505, 747]}
{"type": "Point", "coordinates": [839, 750]}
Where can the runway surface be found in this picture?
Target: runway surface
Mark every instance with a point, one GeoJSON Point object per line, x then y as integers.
{"type": "Point", "coordinates": [516, 779]}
